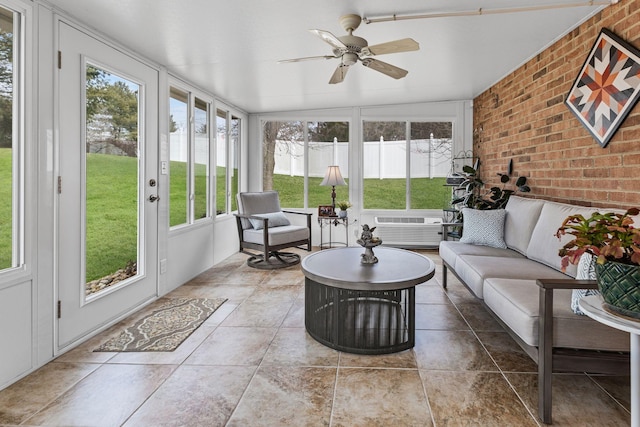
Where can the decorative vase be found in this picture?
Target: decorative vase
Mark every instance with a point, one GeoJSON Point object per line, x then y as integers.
{"type": "Point", "coordinates": [619, 285]}
{"type": "Point", "coordinates": [342, 213]}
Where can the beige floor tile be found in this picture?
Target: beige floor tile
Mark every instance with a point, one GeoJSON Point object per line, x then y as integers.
{"type": "Point", "coordinates": [429, 293]}
{"type": "Point", "coordinates": [295, 347]}
{"type": "Point", "coordinates": [107, 397]}
{"type": "Point", "coordinates": [380, 397]}
{"type": "Point", "coordinates": [295, 316]}
{"type": "Point", "coordinates": [401, 360]}
{"type": "Point", "coordinates": [506, 352]}
{"type": "Point", "coordinates": [439, 317]}
{"type": "Point", "coordinates": [478, 317]}
{"type": "Point", "coordinates": [577, 401]}
{"type": "Point", "coordinates": [29, 395]}
{"type": "Point", "coordinates": [233, 346]}
{"type": "Point", "coordinates": [451, 350]}
{"type": "Point", "coordinates": [195, 396]}
{"type": "Point", "coordinates": [474, 399]}
{"type": "Point", "coordinates": [619, 387]}
{"type": "Point", "coordinates": [286, 396]}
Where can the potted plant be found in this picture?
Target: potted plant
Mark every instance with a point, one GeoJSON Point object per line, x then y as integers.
{"type": "Point", "coordinates": [343, 205]}
{"type": "Point", "coordinates": [495, 198]}
{"type": "Point", "coordinates": [615, 242]}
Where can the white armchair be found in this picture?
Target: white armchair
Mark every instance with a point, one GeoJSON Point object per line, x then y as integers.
{"type": "Point", "coordinates": [264, 227]}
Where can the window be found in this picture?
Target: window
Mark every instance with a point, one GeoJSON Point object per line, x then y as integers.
{"type": "Point", "coordinates": [189, 154]}
{"type": "Point", "coordinates": [228, 128]}
{"type": "Point", "coordinates": [406, 164]}
{"type": "Point", "coordinates": [296, 155]}
{"type": "Point", "coordinates": [11, 171]}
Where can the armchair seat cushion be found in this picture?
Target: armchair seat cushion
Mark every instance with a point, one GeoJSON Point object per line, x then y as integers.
{"type": "Point", "coordinates": [277, 235]}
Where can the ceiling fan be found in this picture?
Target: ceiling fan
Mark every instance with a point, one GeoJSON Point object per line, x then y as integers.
{"type": "Point", "coordinates": [351, 49]}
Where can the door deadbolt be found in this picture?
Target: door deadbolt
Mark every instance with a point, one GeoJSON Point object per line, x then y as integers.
{"type": "Point", "coordinates": [152, 182]}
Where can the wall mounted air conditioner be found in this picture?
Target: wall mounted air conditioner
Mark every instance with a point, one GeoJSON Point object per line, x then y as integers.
{"type": "Point", "coordinates": [409, 232]}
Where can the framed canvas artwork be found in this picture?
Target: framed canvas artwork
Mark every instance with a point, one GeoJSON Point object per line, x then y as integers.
{"type": "Point", "coordinates": [607, 86]}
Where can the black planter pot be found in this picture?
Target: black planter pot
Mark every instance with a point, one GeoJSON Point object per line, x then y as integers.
{"type": "Point", "coordinates": [619, 285]}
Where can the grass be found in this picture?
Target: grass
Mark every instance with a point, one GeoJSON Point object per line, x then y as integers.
{"type": "Point", "coordinates": [5, 207]}
{"type": "Point", "coordinates": [426, 193]}
{"type": "Point", "coordinates": [112, 204]}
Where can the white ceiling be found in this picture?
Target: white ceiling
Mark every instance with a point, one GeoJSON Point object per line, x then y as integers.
{"type": "Point", "coordinates": [231, 48]}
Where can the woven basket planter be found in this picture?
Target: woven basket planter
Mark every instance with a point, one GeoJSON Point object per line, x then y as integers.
{"type": "Point", "coordinates": [619, 285]}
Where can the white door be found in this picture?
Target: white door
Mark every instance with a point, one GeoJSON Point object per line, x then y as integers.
{"type": "Point", "coordinates": [107, 167]}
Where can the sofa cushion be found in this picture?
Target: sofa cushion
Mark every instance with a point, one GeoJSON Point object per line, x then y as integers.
{"type": "Point", "coordinates": [450, 250]}
{"type": "Point", "coordinates": [474, 269]}
{"type": "Point", "coordinates": [544, 244]}
{"type": "Point", "coordinates": [515, 302]}
{"type": "Point", "coordinates": [483, 227]}
{"type": "Point", "coordinates": [522, 216]}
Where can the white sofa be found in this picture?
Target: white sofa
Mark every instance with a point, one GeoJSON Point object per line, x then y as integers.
{"type": "Point", "coordinates": [520, 283]}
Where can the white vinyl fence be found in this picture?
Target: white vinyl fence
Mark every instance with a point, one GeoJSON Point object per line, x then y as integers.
{"type": "Point", "coordinates": [429, 158]}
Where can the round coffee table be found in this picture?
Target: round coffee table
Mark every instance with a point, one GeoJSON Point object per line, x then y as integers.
{"type": "Point", "coordinates": [364, 309]}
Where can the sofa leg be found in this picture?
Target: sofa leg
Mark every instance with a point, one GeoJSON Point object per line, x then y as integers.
{"type": "Point", "coordinates": [444, 276]}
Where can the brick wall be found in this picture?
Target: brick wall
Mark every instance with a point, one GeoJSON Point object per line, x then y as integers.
{"type": "Point", "coordinates": [524, 118]}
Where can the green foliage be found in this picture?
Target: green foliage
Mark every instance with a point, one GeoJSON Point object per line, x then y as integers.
{"type": "Point", "coordinates": [496, 198]}
{"type": "Point", "coordinates": [609, 236]}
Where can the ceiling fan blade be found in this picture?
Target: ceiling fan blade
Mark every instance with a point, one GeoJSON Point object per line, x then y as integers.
{"type": "Point", "coordinates": [339, 74]}
{"type": "Point", "coordinates": [402, 45]}
{"type": "Point", "coordinates": [306, 58]}
{"type": "Point", "coordinates": [331, 39]}
{"type": "Point", "coordinates": [384, 68]}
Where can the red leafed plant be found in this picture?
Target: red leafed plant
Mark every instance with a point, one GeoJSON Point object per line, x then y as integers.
{"type": "Point", "coordinates": [609, 236]}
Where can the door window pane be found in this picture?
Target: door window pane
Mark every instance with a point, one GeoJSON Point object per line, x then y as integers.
{"type": "Point", "coordinates": [385, 165]}
{"type": "Point", "coordinates": [179, 157]}
{"type": "Point", "coordinates": [111, 173]}
{"type": "Point", "coordinates": [201, 159]}
{"type": "Point", "coordinates": [9, 159]}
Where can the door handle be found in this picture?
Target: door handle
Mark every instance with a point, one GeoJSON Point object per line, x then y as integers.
{"type": "Point", "coordinates": [153, 198]}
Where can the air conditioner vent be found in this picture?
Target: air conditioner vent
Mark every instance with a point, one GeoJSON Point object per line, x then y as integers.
{"type": "Point", "coordinates": [408, 231]}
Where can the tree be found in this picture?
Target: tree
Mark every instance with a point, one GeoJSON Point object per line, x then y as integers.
{"type": "Point", "coordinates": [290, 132]}
{"type": "Point", "coordinates": [6, 89]}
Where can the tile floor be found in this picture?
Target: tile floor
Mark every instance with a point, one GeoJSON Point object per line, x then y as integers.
{"type": "Point", "coordinates": [252, 364]}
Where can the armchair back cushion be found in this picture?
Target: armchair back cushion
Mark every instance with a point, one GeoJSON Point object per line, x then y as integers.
{"type": "Point", "coordinates": [255, 203]}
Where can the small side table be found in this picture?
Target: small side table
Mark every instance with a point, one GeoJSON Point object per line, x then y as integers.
{"type": "Point", "coordinates": [592, 307]}
{"type": "Point", "coordinates": [333, 221]}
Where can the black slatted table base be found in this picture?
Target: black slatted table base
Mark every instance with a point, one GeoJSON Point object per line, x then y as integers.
{"type": "Point", "coordinates": [362, 322]}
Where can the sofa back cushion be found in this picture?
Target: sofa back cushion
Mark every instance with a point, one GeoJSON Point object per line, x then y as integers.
{"type": "Point", "coordinates": [522, 216]}
{"type": "Point", "coordinates": [544, 244]}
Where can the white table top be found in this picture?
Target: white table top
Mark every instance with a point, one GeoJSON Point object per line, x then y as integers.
{"type": "Point", "coordinates": [341, 268]}
{"type": "Point", "coordinates": [592, 307]}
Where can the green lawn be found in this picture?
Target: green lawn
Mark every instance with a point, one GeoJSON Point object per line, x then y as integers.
{"type": "Point", "coordinates": [5, 208]}
{"type": "Point", "coordinates": [112, 204]}
{"type": "Point", "coordinates": [378, 194]}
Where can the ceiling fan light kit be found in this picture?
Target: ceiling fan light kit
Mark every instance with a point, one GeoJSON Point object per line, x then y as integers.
{"type": "Point", "coordinates": [351, 49]}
